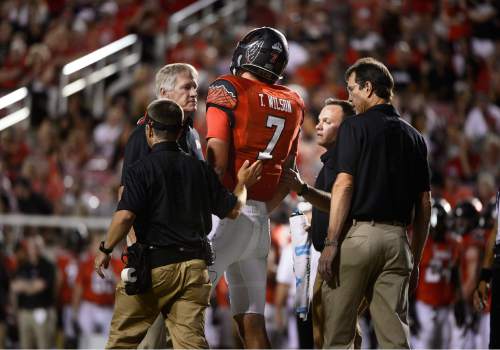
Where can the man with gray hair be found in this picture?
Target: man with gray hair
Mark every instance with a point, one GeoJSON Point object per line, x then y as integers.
{"type": "Point", "coordinates": [178, 82]}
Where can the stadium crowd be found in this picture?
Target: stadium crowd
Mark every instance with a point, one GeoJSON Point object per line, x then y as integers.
{"type": "Point", "coordinates": [445, 59]}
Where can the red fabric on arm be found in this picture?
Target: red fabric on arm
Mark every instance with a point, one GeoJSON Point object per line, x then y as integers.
{"type": "Point", "coordinates": [218, 124]}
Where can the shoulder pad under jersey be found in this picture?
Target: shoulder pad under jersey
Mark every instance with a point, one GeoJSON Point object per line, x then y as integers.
{"type": "Point", "coordinates": [222, 93]}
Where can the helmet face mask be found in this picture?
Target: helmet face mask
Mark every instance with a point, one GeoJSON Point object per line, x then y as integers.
{"type": "Point", "coordinates": [262, 52]}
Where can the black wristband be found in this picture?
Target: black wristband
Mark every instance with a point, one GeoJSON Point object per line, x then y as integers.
{"type": "Point", "coordinates": [485, 275]}
{"type": "Point", "coordinates": [105, 250]}
{"type": "Point", "coordinates": [303, 189]}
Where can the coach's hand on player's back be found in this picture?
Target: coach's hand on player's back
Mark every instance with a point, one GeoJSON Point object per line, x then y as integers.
{"type": "Point", "coordinates": [250, 174]}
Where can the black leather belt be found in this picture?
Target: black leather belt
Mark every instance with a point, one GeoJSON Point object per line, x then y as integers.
{"type": "Point", "coordinates": [161, 256]}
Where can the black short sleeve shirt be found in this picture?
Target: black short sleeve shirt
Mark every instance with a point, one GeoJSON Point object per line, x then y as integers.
{"type": "Point", "coordinates": [387, 158]}
{"type": "Point", "coordinates": [44, 270]}
{"type": "Point", "coordinates": [173, 196]}
{"type": "Point", "coordinates": [137, 146]}
{"type": "Point", "coordinates": [324, 181]}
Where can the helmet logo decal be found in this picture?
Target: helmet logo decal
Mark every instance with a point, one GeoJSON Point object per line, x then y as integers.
{"type": "Point", "coordinates": [253, 50]}
{"type": "Point", "coordinates": [277, 47]}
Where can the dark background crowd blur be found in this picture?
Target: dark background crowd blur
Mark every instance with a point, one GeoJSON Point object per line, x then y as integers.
{"type": "Point", "coordinates": [444, 56]}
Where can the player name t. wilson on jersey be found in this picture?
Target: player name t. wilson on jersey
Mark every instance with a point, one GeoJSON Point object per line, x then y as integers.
{"type": "Point", "coordinates": [279, 104]}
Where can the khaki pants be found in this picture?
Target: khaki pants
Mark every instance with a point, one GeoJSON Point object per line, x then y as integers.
{"type": "Point", "coordinates": [318, 316]}
{"type": "Point", "coordinates": [37, 328]}
{"type": "Point", "coordinates": [180, 291]}
{"type": "Point", "coordinates": [375, 262]}
{"type": "Point", "coordinates": [157, 336]}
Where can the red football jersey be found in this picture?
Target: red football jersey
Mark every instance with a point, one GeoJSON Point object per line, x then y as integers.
{"type": "Point", "coordinates": [96, 289]}
{"type": "Point", "coordinates": [262, 121]}
{"type": "Point", "coordinates": [67, 267]}
{"type": "Point", "coordinates": [435, 285]}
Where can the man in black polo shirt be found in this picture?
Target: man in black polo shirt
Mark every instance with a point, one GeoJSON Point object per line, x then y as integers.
{"type": "Point", "coordinates": [179, 83]}
{"type": "Point", "coordinates": [382, 177]}
{"type": "Point", "coordinates": [329, 120]}
{"type": "Point", "coordinates": [169, 197]}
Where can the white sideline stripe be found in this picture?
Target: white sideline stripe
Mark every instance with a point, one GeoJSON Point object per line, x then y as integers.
{"type": "Point", "coordinates": [14, 118]}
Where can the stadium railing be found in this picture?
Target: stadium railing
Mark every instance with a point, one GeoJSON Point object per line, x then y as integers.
{"type": "Point", "coordinates": [17, 105]}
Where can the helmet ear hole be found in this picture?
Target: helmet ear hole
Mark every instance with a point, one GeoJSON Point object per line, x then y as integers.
{"type": "Point", "coordinates": [262, 52]}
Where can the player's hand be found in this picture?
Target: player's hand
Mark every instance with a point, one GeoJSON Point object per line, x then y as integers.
{"type": "Point", "coordinates": [101, 261]}
{"type": "Point", "coordinates": [250, 174]}
{"type": "Point", "coordinates": [292, 180]}
{"type": "Point", "coordinates": [480, 297]}
{"type": "Point", "coordinates": [414, 279]}
{"type": "Point", "coordinates": [325, 265]}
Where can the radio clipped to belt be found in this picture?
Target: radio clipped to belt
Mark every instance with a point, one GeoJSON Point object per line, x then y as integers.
{"type": "Point", "coordinates": [207, 251]}
{"type": "Point", "coordinates": [137, 273]}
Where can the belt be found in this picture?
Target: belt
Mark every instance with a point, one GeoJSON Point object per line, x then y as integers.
{"type": "Point", "coordinates": [387, 222]}
{"type": "Point", "coordinates": [161, 256]}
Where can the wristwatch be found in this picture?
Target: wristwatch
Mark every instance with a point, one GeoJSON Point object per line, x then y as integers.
{"type": "Point", "coordinates": [332, 242]}
{"type": "Point", "coordinates": [303, 189]}
{"type": "Point", "coordinates": [105, 250]}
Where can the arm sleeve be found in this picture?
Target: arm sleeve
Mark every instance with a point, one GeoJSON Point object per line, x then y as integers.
{"type": "Point", "coordinates": [134, 193]}
{"type": "Point", "coordinates": [218, 124]}
{"type": "Point", "coordinates": [222, 200]}
{"type": "Point", "coordinates": [346, 150]}
{"type": "Point", "coordinates": [222, 100]}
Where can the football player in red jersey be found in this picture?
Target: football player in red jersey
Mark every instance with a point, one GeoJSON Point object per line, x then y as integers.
{"type": "Point", "coordinates": [94, 297]}
{"type": "Point", "coordinates": [466, 216]}
{"type": "Point", "coordinates": [438, 287]}
{"type": "Point", "coordinates": [250, 117]}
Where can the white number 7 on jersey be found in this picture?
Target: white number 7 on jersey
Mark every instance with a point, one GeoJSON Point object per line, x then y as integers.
{"type": "Point", "coordinates": [279, 123]}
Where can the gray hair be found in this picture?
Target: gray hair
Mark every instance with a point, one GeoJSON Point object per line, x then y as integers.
{"type": "Point", "coordinates": [166, 76]}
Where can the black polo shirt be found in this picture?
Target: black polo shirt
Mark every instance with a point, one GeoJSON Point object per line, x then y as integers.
{"type": "Point", "coordinates": [173, 196]}
{"type": "Point", "coordinates": [324, 181]}
{"type": "Point", "coordinates": [137, 145]}
{"type": "Point", "coordinates": [44, 270]}
{"type": "Point", "coordinates": [387, 158]}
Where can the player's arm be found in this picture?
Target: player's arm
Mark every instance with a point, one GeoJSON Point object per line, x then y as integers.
{"type": "Point", "coordinates": [472, 255]}
{"type": "Point", "coordinates": [480, 297]}
{"type": "Point", "coordinates": [222, 99]}
{"type": "Point", "coordinates": [217, 155]}
{"type": "Point", "coordinates": [488, 254]}
{"type": "Point", "coordinates": [282, 190]}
